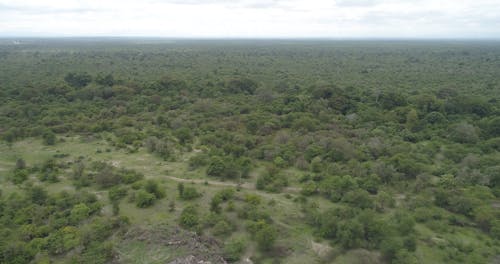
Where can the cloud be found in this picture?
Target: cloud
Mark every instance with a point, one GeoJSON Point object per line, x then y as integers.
{"type": "Point", "coordinates": [252, 18]}
{"type": "Point", "coordinates": [358, 3]}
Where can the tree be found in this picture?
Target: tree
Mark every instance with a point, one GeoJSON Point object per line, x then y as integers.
{"type": "Point", "coordinates": [107, 177]}
{"type": "Point", "coordinates": [484, 216]}
{"type": "Point", "coordinates": [180, 188]}
{"type": "Point", "coordinates": [19, 176]}
{"type": "Point", "coordinates": [493, 127]}
{"type": "Point", "coordinates": [412, 121]}
{"type": "Point", "coordinates": [183, 134]}
{"type": "Point", "coordinates": [38, 195]}
{"type": "Point", "coordinates": [78, 80]}
{"type": "Point", "coordinates": [78, 170]}
{"type": "Point", "coordinates": [349, 234]}
{"type": "Point", "coordinates": [359, 198]}
{"type": "Point", "coordinates": [215, 204]}
{"type": "Point", "coordinates": [49, 138]}
{"type": "Point", "coordinates": [20, 164]}
{"type": "Point", "coordinates": [266, 236]}
{"type": "Point", "coordinates": [153, 187]}
{"type": "Point", "coordinates": [242, 85]}
{"type": "Point", "coordinates": [79, 212]}
{"type": "Point", "coordinates": [217, 167]}
{"type": "Point", "coordinates": [106, 80]}
{"type": "Point", "coordinates": [464, 133]}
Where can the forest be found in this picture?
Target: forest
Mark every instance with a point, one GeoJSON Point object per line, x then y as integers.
{"type": "Point", "coordinates": [143, 150]}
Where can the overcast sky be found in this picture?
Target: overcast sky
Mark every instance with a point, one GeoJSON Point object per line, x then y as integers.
{"type": "Point", "coordinates": [252, 18]}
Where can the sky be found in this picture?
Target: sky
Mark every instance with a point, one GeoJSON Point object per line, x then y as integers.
{"type": "Point", "coordinates": [252, 18]}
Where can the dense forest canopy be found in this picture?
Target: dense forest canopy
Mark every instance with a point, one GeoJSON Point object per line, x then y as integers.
{"type": "Point", "coordinates": [271, 151]}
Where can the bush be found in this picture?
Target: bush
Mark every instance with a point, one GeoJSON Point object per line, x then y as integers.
{"type": "Point", "coordinates": [130, 176]}
{"type": "Point", "coordinates": [435, 118]}
{"type": "Point", "coordinates": [79, 212]}
{"type": "Point", "coordinates": [265, 237]}
{"type": "Point", "coordinates": [198, 161]}
{"type": "Point", "coordinates": [216, 167]}
{"type": "Point", "coordinates": [144, 199]}
{"type": "Point", "coordinates": [234, 248]}
{"type": "Point", "coordinates": [38, 195]}
{"type": "Point", "coordinates": [19, 176]}
{"type": "Point", "coordinates": [49, 138]}
{"type": "Point", "coordinates": [107, 177]}
{"type": "Point", "coordinates": [358, 198]}
{"type": "Point", "coordinates": [226, 168]}
{"type": "Point", "coordinates": [189, 193]}
{"type": "Point", "coordinates": [271, 181]}
{"type": "Point", "coordinates": [153, 187]}
{"type": "Point", "coordinates": [189, 218]}
{"type": "Point", "coordinates": [116, 193]}
{"type": "Point", "coordinates": [20, 164]}
{"type": "Point", "coordinates": [222, 227]}
{"type": "Point", "coordinates": [78, 80]}
{"type": "Point", "coordinates": [464, 133]}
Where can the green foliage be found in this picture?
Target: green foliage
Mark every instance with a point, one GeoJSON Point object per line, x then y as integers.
{"type": "Point", "coordinates": [376, 136]}
{"type": "Point", "coordinates": [130, 176]}
{"type": "Point", "coordinates": [160, 147]}
{"type": "Point", "coordinates": [79, 212]}
{"type": "Point", "coordinates": [358, 198]}
{"type": "Point", "coordinates": [190, 193]}
{"type": "Point", "coordinates": [107, 177]}
{"type": "Point", "coordinates": [106, 80]}
{"type": "Point", "coordinates": [234, 248]}
{"type": "Point", "coordinates": [78, 80]}
{"type": "Point", "coordinates": [264, 234]}
{"type": "Point", "coordinates": [243, 85]}
{"type": "Point", "coordinates": [222, 228]}
{"type": "Point", "coordinates": [198, 161]}
{"type": "Point", "coordinates": [464, 133]}
{"type": "Point", "coordinates": [38, 195]}
{"type": "Point", "coordinates": [20, 164]}
{"type": "Point", "coordinates": [151, 186]}
{"type": "Point", "coordinates": [216, 167]}
{"type": "Point", "coordinates": [189, 217]}
{"type": "Point", "coordinates": [117, 193]}
{"type": "Point", "coordinates": [49, 138]}
{"type": "Point", "coordinates": [144, 199]}
{"type": "Point", "coordinates": [271, 180]}
{"type": "Point", "coordinates": [19, 176]}
{"type": "Point", "coordinates": [335, 187]}
{"type": "Point", "coordinates": [183, 135]}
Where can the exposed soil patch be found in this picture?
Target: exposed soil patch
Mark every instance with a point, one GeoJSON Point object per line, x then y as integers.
{"type": "Point", "coordinates": [198, 249]}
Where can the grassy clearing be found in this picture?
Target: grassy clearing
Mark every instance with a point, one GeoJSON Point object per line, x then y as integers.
{"type": "Point", "coordinates": [296, 235]}
{"type": "Point", "coordinates": [295, 243]}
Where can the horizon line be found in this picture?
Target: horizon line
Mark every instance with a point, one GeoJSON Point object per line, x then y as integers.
{"type": "Point", "coordinates": [237, 37]}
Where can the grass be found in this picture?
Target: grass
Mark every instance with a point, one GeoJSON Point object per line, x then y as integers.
{"type": "Point", "coordinates": [286, 212]}
{"type": "Point", "coordinates": [295, 235]}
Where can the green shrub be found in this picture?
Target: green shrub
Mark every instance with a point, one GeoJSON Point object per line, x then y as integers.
{"type": "Point", "coordinates": [144, 199]}
{"type": "Point", "coordinates": [234, 248]}
{"type": "Point", "coordinates": [189, 217]}
{"type": "Point", "coordinates": [116, 193]}
{"type": "Point", "coordinates": [190, 193]}
{"type": "Point", "coordinates": [19, 176]}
